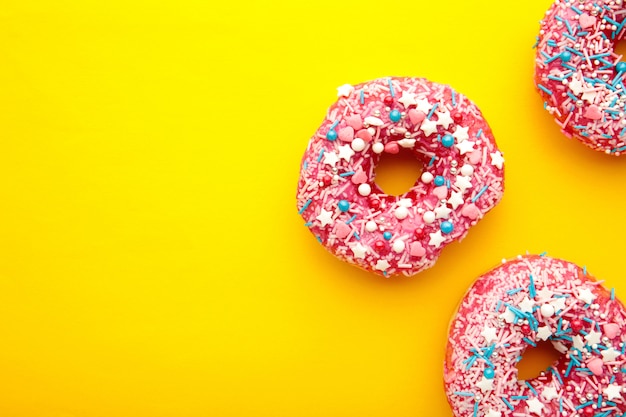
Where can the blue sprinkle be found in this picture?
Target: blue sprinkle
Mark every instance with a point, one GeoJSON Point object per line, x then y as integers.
{"type": "Point", "coordinates": [432, 111]}
{"type": "Point", "coordinates": [331, 135]}
{"type": "Point", "coordinates": [476, 409]}
{"type": "Point", "coordinates": [568, 36]}
{"type": "Point", "coordinates": [387, 235]}
{"type": "Point", "coordinates": [464, 394]}
{"type": "Point", "coordinates": [574, 8]}
{"type": "Point", "coordinates": [578, 407]}
{"type": "Point", "coordinates": [551, 59]}
{"type": "Point", "coordinates": [574, 51]}
{"type": "Point", "coordinates": [556, 374]}
{"type": "Point", "coordinates": [569, 67]}
{"type": "Point", "coordinates": [308, 224]}
{"type": "Point", "coordinates": [480, 132]}
{"type": "Point", "coordinates": [351, 219]}
{"type": "Point", "coordinates": [343, 205]}
{"type": "Point", "coordinates": [545, 89]}
{"type": "Point", "coordinates": [498, 305]}
{"type": "Point", "coordinates": [542, 254]}
{"type": "Point", "coordinates": [514, 291]}
{"type": "Point", "coordinates": [582, 34]}
{"type": "Point", "coordinates": [530, 342]}
{"type": "Point", "coordinates": [446, 227]}
{"type": "Point", "coordinates": [585, 270]}
{"type": "Point", "coordinates": [448, 183]}
{"type": "Point", "coordinates": [305, 165]}
{"type": "Point", "coordinates": [508, 404]}
{"type": "Point", "coordinates": [319, 158]}
{"type": "Point", "coordinates": [622, 132]}
{"type": "Point", "coordinates": [552, 43]}
{"type": "Point", "coordinates": [362, 97]}
{"type": "Point", "coordinates": [439, 180]}
{"type": "Point", "coordinates": [531, 287]}
{"type": "Point", "coordinates": [572, 96]}
{"type": "Point", "coordinates": [432, 161]}
{"type": "Point", "coordinates": [305, 206]}
{"type": "Point", "coordinates": [356, 236]}
{"type": "Point", "coordinates": [334, 125]}
{"type": "Point", "coordinates": [569, 369]}
{"type": "Point", "coordinates": [395, 116]}
{"type": "Point", "coordinates": [561, 405]}
{"type": "Point", "coordinates": [531, 387]}
{"type": "Point", "coordinates": [391, 90]}
{"type": "Point", "coordinates": [447, 140]}
{"type": "Point", "coordinates": [346, 174]}
{"type": "Point", "coordinates": [612, 293]}
{"type": "Point", "coordinates": [481, 192]}
{"type": "Point", "coordinates": [611, 21]}
{"type": "Point", "coordinates": [519, 397]}
{"type": "Point", "coordinates": [553, 78]}
{"type": "Point", "coordinates": [569, 27]}
{"type": "Point", "coordinates": [453, 98]}
{"type": "Point", "coordinates": [319, 239]}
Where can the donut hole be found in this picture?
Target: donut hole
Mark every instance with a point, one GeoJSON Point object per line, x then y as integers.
{"type": "Point", "coordinates": [396, 173]}
{"type": "Point", "coordinates": [536, 360]}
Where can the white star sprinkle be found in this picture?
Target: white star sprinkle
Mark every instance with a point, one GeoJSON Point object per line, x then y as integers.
{"type": "Point", "coordinates": [589, 96]}
{"type": "Point", "coordinates": [613, 391]}
{"type": "Point", "coordinates": [465, 146]}
{"type": "Point", "coordinates": [344, 90]}
{"type": "Point", "coordinates": [442, 212]}
{"type": "Point", "coordinates": [490, 334]}
{"type": "Point", "coordinates": [382, 265]}
{"type": "Point", "coordinates": [359, 251]}
{"type": "Point", "coordinates": [408, 99]}
{"type": "Point", "coordinates": [485, 384]}
{"type": "Point", "coordinates": [330, 158]}
{"type": "Point", "coordinates": [526, 305]}
{"type": "Point", "coordinates": [544, 332]}
{"type": "Point", "coordinates": [405, 202]}
{"type": "Point", "coordinates": [436, 239]}
{"type": "Point", "coordinates": [493, 413]}
{"type": "Point", "coordinates": [428, 127]}
{"type": "Point", "coordinates": [460, 133]}
{"type": "Point", "coordinates": [423, 105]}
{"type": "Point", "coordinates": [508, 316]}
{"type": "Point", "coordinates": [558, 303]}
{"type": "Point", "coordinates": [456, 199]}
{"type": "Point", "coordinates": [549, 393]}
{"type": "Point", "coordinates": [610, 354]}
{"type": "Point", "coordinates": [578, 342]}
{"type": "Point", "coordinates": [535, 406]}
{"type": "Point", "coordinates": [444, 119]}
{"type": "Point", "coordinates": [325, 217]}
{"type": "Point", "coordinates": [463, 183]}
{"type": "Point", "coordinates": [586, 295]}
{"type": "Point", "coordinates": [345, 152]}
{"type": "Point", "coordinates": [593, 337]}
{"type": "Point", "coordinates": [576, 86]}
{"type": "Point", "coordinates": [544, 294]}
{"type": "Point", "coordinates": [496, 159]}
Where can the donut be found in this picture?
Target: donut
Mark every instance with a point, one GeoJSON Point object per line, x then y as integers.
{"type": "Point", "coordinates": [530, 300]}
{"type": "Point", "coordinates": [579, 75]}
{"type": "Point", "coordinates": [461, 180]}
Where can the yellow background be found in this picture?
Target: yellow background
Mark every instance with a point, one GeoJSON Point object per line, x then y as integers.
{"type": "Point", "coordinates": [152, 262]}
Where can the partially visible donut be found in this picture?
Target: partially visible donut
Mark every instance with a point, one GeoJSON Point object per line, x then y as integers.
{"type": "Point", "coordinates": [514, 307]}
{"type": "Point", "coordinates": [578, 73]}
{"type": "Point", "coordinates": [462, 175]}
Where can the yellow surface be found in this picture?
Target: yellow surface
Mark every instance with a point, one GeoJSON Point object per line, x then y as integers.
{"type": "Point", "coordinates": [152, 262]}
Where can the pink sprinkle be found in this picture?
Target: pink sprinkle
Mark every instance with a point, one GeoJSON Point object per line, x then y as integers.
{"type": "Point", "coordinates": [417, 249]}
{"type": "Point", "coordinates": [346, 134]}
{"type": "Point", "coordinates": [610, 330]}
{"type": "Point", "coordinates": [595, 366]}
{"type": "Point", "coordinates": [392, 147]}
{"type": "Point", "coordinates": [359, 176]}
{"type": "Point", "coordinates": [364, 134]}
{"type": "Point", "coordinates": [416, 116]}
{"type": "Point", "coordinates": [355, 121]}
{"type": "Point", "coordinates": [342, 230]}
{"type": "Point", "coordinates": [441, 192]}
{"type": "Point", "coordinates": [593, 112]}
{"type": "Point", "coordinates": [470, 211]}
{"type": "Point", "coordinates": [586, 21]}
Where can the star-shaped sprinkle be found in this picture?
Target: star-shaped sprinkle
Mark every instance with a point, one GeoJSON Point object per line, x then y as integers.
{"type": "Point", "coordinates": [330, 158]}
{"type": "Point", "coordinates": [442, 212]}
{"type": "Point", "coordinates": [456, 199]}
{"type": "Point", "coordinates": [576, 86]}
{"type": "Point", "coordinates": [405, 202]}
{"type": "Point", "coordinates": [610, 354]}
{"type": "Point", "coordinates": [490, 334]}
{"type": "Point", "coordinates": [496, 159]}
{"type": "Point", "coordinates": [578, 342]}
{"type": "Point", "coordinates": [485, 384]}
{"type": "Point", "coordinates": [344, 90]}
{"type": "Point", "coordinates": [526, 305]}
{"type": "Point", "coordinates": [549, 393]}
{"type": "Point", "coordinates": [408, 99]}
{"type": "Point", "coordinates": [345, 152]}
{"type": "Point", "coordinates": [613, 391]}
{"type": "Point", "coordinates": [544, 294]}
{"type": "Point", "coordinates": [436, 239]}
{"type": "Point", "coordinates": [508, 316]}
{"type": "Point", "coordinates": [593, 337]}
{"type": "Point", "coordinates": [428, 127]}
{"type": "Point", "coordinates": [325, 217]}
{"type": "Point", "coordinates": [382, 265]}
{"type": "Point", "coordinates": [465, 146]}
{"type": "Point", "coordinates": [586, 295]}
{"type": "Point", "coordinates": [444, 119]}
{"type": "Point", "coordinates": [463, 183]}
{"type": "Point", "coordinates": [589, 96]}
{"type": "Point", "coordinates": [534, 405]}
{"type": "Point", "coordinates": [544, 332]}
{"type": "Point", "coordinates": [460, 133]}
{"type": "Point", "coordinates": [493, 413]}
{"type": "Point", "coordinates": [558, 303]}
{"type": "Point", "coordinates": [359, 251]}
{"type": "Point", "coordinates": [423, 105]}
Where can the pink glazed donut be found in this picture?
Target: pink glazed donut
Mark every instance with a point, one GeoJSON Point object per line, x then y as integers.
{"type": "Point", "coordinates": [462, 175]}
{"type": "Point", "coordinates": [578, 73]}
{"type": "Point", "coordinates": [516, 306]}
